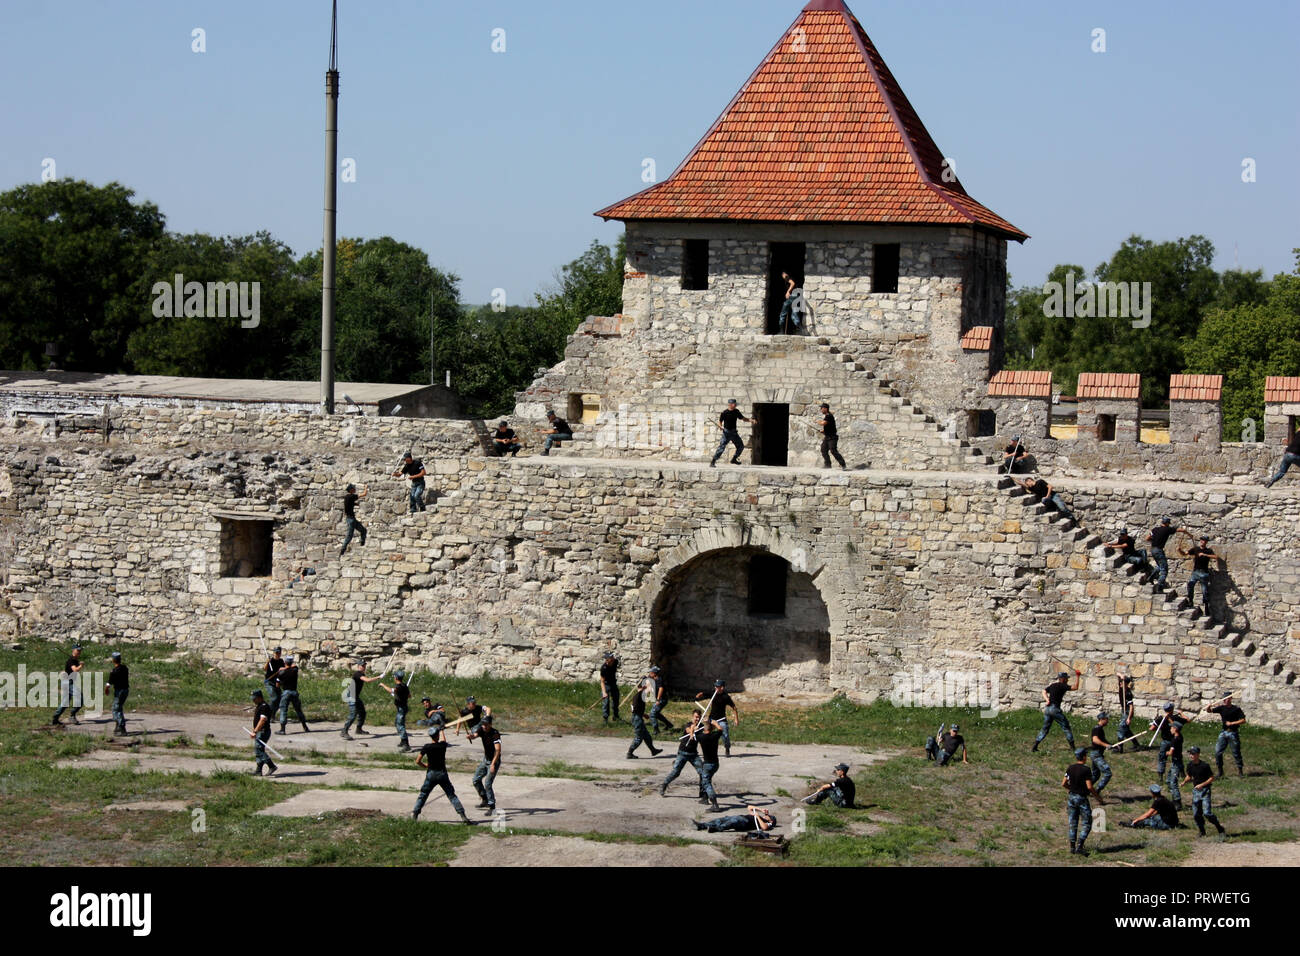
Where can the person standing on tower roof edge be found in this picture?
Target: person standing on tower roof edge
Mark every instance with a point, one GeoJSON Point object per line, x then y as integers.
{"type": "Point", "coordinates": [730, 433]}
{"type": "Point", "coordinates": [413, 469]}
{"type": "Point", "coordinates": [1053, 694]}
{"type": "Point", "coordinates": [1291, 456]}
{"type": "Point", "coordinates": [350, 500]}
{"type": "Point", "coordinates": [830, 438]}
{"type": "Point", "coordinates": [560, 431]}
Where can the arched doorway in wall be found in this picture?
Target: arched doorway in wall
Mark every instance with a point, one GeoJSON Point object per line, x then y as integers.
{"type": "Point", "coordinates": [746, 615]}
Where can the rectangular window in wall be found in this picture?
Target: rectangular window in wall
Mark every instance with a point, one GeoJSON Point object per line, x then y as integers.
{"type": "Point", "coordinates": [246, 548]}
{"type": "Point", "coordinates": [1105, 428]}
{"type": "Point", "coordinates": [695, 264]}
{"type": "Point", "coordinates": [884, 266]}
{"type": "Point", "coordinates": [767, 582]}
{"type": "Point", "coordinates": [583, 408]}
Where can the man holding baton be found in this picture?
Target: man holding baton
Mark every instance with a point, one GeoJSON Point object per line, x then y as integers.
{"type": "Point", "coordinates": [1053, 694]}
{"type": "Point", "coordinates": [261, 734]}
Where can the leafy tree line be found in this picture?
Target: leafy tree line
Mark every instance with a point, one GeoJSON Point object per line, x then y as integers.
{"type": "Point", "coordinates": [1235, 323]}
{"type": "Point", "coordinates": [78, 265]}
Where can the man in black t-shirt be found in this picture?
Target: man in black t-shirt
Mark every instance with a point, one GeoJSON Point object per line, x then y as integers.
{"type": "Point", "coordinates": [708, 737]}
{"type": "Point", "coordinates": [1159, 538]}
{"type": "Point", "coordinates": [261, 733]}
{"type": "Point", "coordinates": [350, 500]}
{"type": "Point", "coordinates": [1098, 744]}
{"type": "Point", "coordinates": [1047, 494]}
{"type": "Point", "coordinates": [840, 790]}
{"type": "Point", "coordinates": [1013, 456]}
{"type": "Point", "coordinates": [1078, 784]}
{"type": "Point", "coordinates": [754, 818]}
{"type": "Point", "coordinates": [1053, 694]}
{"type": "Point", "coordinates": [560, 431]}
{"type": "Point", "coordinates": [1164, 722]}
{"type": "Point", "coordinates": [287, 678]}
{"type": "Point", "coordinates": [945, 746]}
{"type": "Point", "coordinates": [1200, 775]}
{"type": "Point", "coordinates": [433, 760]}
{"type": "Point", "coordinates": [503, 439]}
{"type": "Point", "coordinates": [688, 752]}
{"type": "Point", "coordinates": [1125, 710]}
{"type": "Point", "coordinates": [1201, 555]}
{"type": "Point", "coordinates": [1162, 814]}
{"type": "Point", "coordinates": [402, 701]}
{"type": "Point", "coordinates": [830, 438]}
{"type": "Point", "coordinates": [1232, 718]}
{"type": "Point", "coordinates": [1173, 749]}
{"type": "Point", "coordinates": [1291, 456]}
{"type": "Point", "coordinates": [639, 733]}
{"type": "Point", "coordinates": [1130, 554]}
{"type": "Point", "coordinates": [413, 469]}
{"type": "Point", "coordinates": [721, 700]}
{"type": "Point", "coordinates": [119, 682]}
{"type": "Point", "coordinates": [486, 772]}
{"type": "Point", "coordinates": [730, 433]}
{"type": "Point", "coordinates": [475, 712]}
{"type": "Point", "coordinates": [609, 687]}
{"type": "Point", "coordinates": [659, 699]}
{"type": "Point", "coordinates": [274, 664]}
{"type": "Point", "coordinates": [69, 689]}
{"type": "Point", "coordinates": [356, 708]}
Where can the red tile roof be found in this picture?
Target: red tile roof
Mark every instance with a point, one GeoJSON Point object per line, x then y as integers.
{"type": "Point", "coordinates": [1278, 389]}
{"type": "Point", "coordinates": [1021, 384]}
{"type": "Point", "coordinates": [1113, 385]}
{"type": "Point", "coordinates": [978, 339]}
{"type": "Point", "coordinates": [821, 132]}
{"type": "Point", "coordinates": [1195, 388]}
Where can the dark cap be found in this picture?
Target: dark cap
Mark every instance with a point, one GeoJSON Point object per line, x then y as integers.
{"type": "Point", "coordinates": [1103, 716]}
{"type": "Point", "coordinates": [408, 455]}
{"type": "Point", "coordinates": [731, 401]}
{"type": "Point", "coordinates": [842, 766]}
{"type": "Point", "coordinates": [1062, 675]}
{"type": "Point", "coordinates": [550, 412]}
{"type": "Point", "coordinates": [1080, 753]}
{"type": "Point", "coordinates": [503, 423]}
{"type": "Point", "coordinates": [1166, 520]}
{"type": "Point", "coordinates": [719, 683]}
{"type": "Point", "coordinates": [1193, 750]}
{"type": "Point", "coordinates": [77, 647]}
{"type": "Point", "coordinates": [425, 700]}
{"type": "Point", "coordinates": [1205, 537]}
{"type": "Point", "coordinates": [471, 700]}
{"type": "Point", "coordinates": [1169, 706]}
{"type": "Point", "coordinates": [256, 694]}
{"type": "Point", "coordinates": [351, 488]}
{"type": "Point", "coordinates": [116, 655]}
{"type": "Point", "coordinates": [1155, 788]}
{"type": "Point", "coordinates": [954, 728]}
{"type": "Point", "coordinates": [278, 648]}
{"type": "Point", "coordinates": [824, 405]}
{"type": "Point", "coordinates": [609, 653]}
{"type": "Point", "coordinates": [656, 669]}
{"type": "Point", "coordinates": [487, 719]}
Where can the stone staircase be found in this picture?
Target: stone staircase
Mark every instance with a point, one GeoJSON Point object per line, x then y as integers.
{"type": "Point", "coordinates": [1196, 627]}
{"type": "Point", "coordinates": [911, 417]}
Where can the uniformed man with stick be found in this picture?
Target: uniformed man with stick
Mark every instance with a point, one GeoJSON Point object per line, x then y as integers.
{"type": "Point", "coordinates": [69, 690]}
{"type": "Point", "coordinates": [1053, 695]}
{"type": "Point", "coordinates": [475, 712]}
{"type": "Point", "coordinates": [486, 771]}
{"type": "Point", "coordinates": [1232, 718]}
{"type": "Point", "coordinates": [1078, 784]}
{"type": "Point", "coordinates": [1201, 777]}
{"type": "Point", "coordinates": [659, 694]}
{"type": "Point", "coordinates": [357, 708]}
{"type": "Point", "coordinates": [433, 760]}
{"type": "Point", "coordinates": [1100, 768]}
{"type": "Point", "coordinates": [1161, 815]}
{"type": "Point", "coordinates": [718, 705]}
{"type": "Point", "coordinates": [1163, 725]}
{"type": "Point", "coordinates": [709, 737]}
{"type": "Point", "coordinates": [1125, 710]}
{"type": "Point", "coordinates": [401, 700]}
{"type": "Point", "coordinates": [840, 791]}
{"type": "Point", "coordinates": [943, 749]}
{"type": "Point", "coordinates": [261, 734]}
{"type": "Point", "coordinates": [688, 752]}
{"type": "Point", "coordinates": [274, 664]}
{"type": "Point", "coordinates": [1175, 754]}
{"type": "Point", "coordinates": [609, 687]}
{"type": "Point", "coordinates": [119, 682]}
{"type": "Point", "coordinates": [639, 733]}
{"type": "Point", "coordinates": [287, 678]}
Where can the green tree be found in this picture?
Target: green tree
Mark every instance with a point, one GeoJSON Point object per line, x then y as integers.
{"type": "Point", "coordinates": [70, 253]}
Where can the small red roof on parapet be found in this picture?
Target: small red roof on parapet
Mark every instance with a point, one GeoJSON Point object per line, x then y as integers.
{"type": "Point", "coordinates": [1281, 390]}
{"type": "Point", "coordinates": [1021, 384]}
{"type": "Point", "coordinates": [821, 132]}
{"type": "Point", "coordinates": [978, 339]}
{"type": "Point", "coordinates": [1122, 386]}
{"type": "Point", "coordinates": [1195, 388]}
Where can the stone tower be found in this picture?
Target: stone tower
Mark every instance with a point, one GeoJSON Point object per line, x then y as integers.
{"type": "Point", "coordinates": [819, 168]}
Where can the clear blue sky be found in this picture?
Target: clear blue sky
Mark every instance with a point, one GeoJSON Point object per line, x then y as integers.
{"type": "Point", "coordinates": [494, 163]}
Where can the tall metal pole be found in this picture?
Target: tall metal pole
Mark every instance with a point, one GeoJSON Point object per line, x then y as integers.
{"type": "Point", "coordinates": [331, 216]}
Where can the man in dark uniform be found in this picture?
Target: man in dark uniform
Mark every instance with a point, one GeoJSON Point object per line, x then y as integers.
{"type": "Point", "coordinates": [1175, 754]}
{"type": "Point", "coordinates": [609, 687]}
{"type": "Point", "coordinates": [688, 752]}
{"type": "Point", "coordinates": [69, 690]}
{"type": "Point", "coordinates": [434, 714]}
{"type": "Point", "coordinates": [489, 765]}
{"type": "Point", "coordinates": [401, 701]}
{"type": "Point", "coordinates": [356, 708]}
{"type": "Point", "coordinates": [1130, 554]}
{"type": "Point", "coordinates": [1291, 456]}
{"type": "Point", "coordinates": [1053, 694]}
{"type": "Point", "coordinates": [830, 438]}
{"type": "Point", "coordinates": [433, 760]}
{"type": "Point", "coordinates": [639, 733]}
{"type": "Point", "coordinates": [350, 500]}
{"type": "Point", "coordinates": [946, 746]}
{"type": "Point", "coordinates": [754, 818]}
{"type": "Point", "coordinates": [1159, 538]}
{"type": "Point", "coordinates": [413, 469]}
{"type": "Point", "coordinates": [730, 433]}
{"type": "Point", "coordinates": [1047, 494]}
{"type": "Point", "coordinates": [1200, 775]}
{"type": "Point", "coordinates": [1165, 721]}
{"type": "Point", "coordinates": [1013, 456]}
{"type": "Point", "coordinates": [119, 682]}
{"type": "Point", "coordinates": [1125, 710]}
{"type": "Point", "coordinates": [718, 710]}
{"type": "Point", "coordinates": [475, 712]}
{"type": "Point", "coordinates": [709, 737]}
{"type": "Point", "coordinates": [840, 790]}
{"type": "Point", "coordinates": [560, 431]}
{"type": "Point", "coordinates": [659, 694]}
{"type": "Point", "coordinates": [1100, 768]}
{"type": "Point", "coordinates": [261, 733]}
{"type": "Point", "coordinates": [503, 439]}
{"type": "Point", "coordinates": [1078, 783]}
{"type": "Point", "coordinates": [1201, 555]}
{"type": "Point", "coordinates": [274, 664]}
{"type": "Point", "coordinates": [1162, 815]}
{"type": "Point", "coordinates": [1232, 718]}
{"type": "Point", "coordinates": [287, 676]}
